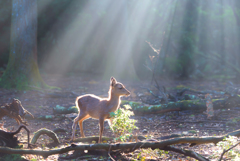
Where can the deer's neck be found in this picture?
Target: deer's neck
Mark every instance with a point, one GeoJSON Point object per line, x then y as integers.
{"type": "Point", "coordinates": [113, 102]}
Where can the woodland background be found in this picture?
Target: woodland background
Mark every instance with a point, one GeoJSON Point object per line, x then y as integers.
{"type": "Point", "coordinates": [184, 54]}
{"type": "Point", "coordinates": [192, 38]}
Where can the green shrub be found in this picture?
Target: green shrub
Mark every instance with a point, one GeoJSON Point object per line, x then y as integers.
{"type": "Point", "coordinates": [227, 143]}
{"type": "Point", "coordinates": [122, 125]}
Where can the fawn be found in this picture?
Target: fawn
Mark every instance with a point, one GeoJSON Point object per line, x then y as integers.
{"type": "Point", "coordinates": [92, 106]}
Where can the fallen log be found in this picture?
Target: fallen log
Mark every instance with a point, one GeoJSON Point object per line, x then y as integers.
{"type": "Point", "coordinates": [123, 147]}
{"type": "Point", "coordinates": [64, 110]}
{"type": "Point", "coordinates": [200, 104]}
{"type": "Point", "coordinates": [95, 139]}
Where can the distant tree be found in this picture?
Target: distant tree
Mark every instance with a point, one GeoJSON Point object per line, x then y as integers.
{"type": "Point", "coordinates": [188, 36]}
{"type": "Point", "coordinates": [22, 69]}
{"type": "Point", "coordinates": [235, 6]}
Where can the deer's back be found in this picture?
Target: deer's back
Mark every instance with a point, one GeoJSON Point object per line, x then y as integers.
{"type": "Point", "coordinates": [92, 105]}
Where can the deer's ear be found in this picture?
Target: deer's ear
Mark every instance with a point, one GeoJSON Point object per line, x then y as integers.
{"type": "Point", "coordinates": [113, 81]}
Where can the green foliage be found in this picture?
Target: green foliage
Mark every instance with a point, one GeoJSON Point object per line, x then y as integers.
{"type": "Point", "coordinates": [122, 125]}
{"type": "Point", "coordinates": [233, 154]}
{"type": "Point", "coordinates": [150, 154]}
{"type": "Point", "coordinates": [34, 159]}
{"type": "Point", "coordinates": [12, 157]}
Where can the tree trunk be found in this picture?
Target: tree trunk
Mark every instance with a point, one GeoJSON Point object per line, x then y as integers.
{"type": "Point", "coordinates": [189, 31]}
{"type": "Point", "coordinates": [22, 69]}
{"type": "Point", "coordinates": [235, 6]}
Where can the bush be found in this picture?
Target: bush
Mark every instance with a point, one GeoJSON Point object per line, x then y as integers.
{"type": "Point", "coordinates": [122, 125]}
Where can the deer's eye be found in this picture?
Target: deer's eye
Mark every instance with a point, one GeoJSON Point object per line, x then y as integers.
{"type": "Point", "coordinates": [120, 87]}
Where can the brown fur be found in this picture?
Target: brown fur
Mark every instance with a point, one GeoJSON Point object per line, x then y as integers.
{"type": "Point", "coordinates": [92, 106]}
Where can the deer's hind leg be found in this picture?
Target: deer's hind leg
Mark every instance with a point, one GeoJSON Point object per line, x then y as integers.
{"type": "Point", "coordinates": [79, 118]}
{"type": "Point", "coordinates": [80, 122]}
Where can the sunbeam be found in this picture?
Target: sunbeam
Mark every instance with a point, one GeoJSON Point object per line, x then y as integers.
{"type": "Point", "coordinates": [62, 61]}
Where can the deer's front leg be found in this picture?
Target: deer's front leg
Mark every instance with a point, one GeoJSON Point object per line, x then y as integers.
{"type": "Point", "coordinates": [101, 122]}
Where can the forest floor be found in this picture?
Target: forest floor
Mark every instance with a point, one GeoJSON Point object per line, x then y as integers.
{"type": "Point", "coordinates": [189, 123]}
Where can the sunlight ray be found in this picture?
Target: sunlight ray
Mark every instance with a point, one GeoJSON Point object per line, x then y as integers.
{"type": "Point", "coordinates": [72, 38]}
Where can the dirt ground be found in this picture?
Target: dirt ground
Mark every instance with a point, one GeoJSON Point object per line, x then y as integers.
{"type": "Point", "coordinates": [188, 123]}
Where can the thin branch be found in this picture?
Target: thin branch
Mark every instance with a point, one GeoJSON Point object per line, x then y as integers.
{"type": "Point", "coordinates": [186, 153]}
{"type": "Point", "coordinates": [109, 153]}
{"type": "Point", "coordinates": [224, 151]}
{"type": "Point", "coordinates": [47, 132]}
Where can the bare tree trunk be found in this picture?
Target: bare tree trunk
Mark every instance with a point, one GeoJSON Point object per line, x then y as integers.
{"type": "Point", "coordinates": [187, 45]}
{"type": "Point", "coordinates": [235, 6]}
{"type": "Point", "coordinates": [22, 69]}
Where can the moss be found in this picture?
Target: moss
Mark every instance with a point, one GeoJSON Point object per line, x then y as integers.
{"type": "Point", "coordinates": [13, 78]}
{"type": "Point", "coordinates": [134, 105]}
{"type": "Point", "coordinates": [192, 131]}
{"type": "Point", "coordinates": [49, 116]}
{"type": "Point", "coordinates": [190, 97]}
{"type": "Point", "coordinates": [36, 78]}
{"type": "Point", "coordinates": [143, 108]}
{"type": "Point", "coordinates": [64, 110]}
{"type": "Point", "coordinates": [199, 104]}
{"type": "Point", "coordinates": [12, 157]}
{"type": "Point", "coordinates": [46, 117]}
{"type": "Point", "coordinates": [74, 109]}
{"type": "Point", "coordinates": [213, 100]}
{"type": "Point", "coordinates": [60, 107]}
{"type": "Point", "coordinates": [185, 102]}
